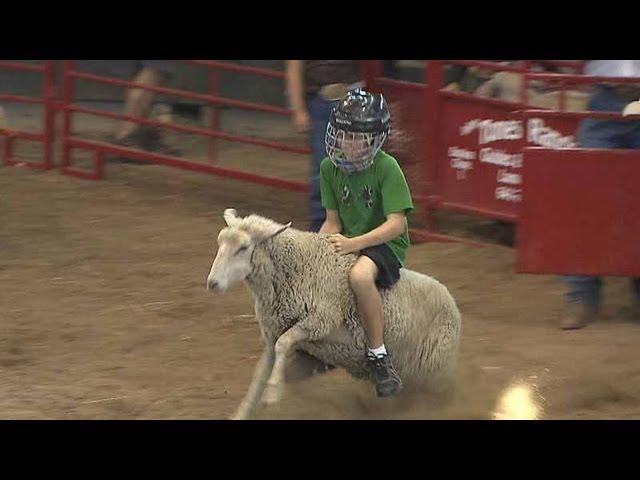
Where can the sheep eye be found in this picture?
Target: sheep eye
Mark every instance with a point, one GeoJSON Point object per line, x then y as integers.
{"type": "Point", "coordinates": [241, 249]}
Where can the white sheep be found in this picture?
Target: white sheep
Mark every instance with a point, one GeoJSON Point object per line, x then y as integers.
{"type": "Point", "coordinates": [303, 299]}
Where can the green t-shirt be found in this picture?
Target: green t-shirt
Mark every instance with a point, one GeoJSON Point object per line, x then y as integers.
{"type": "Point", "coordinates": [363, 199]}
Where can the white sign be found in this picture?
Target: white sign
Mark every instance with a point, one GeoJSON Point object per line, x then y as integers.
{"type": "Point", "coordinates": [489, 131]}
{"type": "Point", "coordinates": [461, 160]}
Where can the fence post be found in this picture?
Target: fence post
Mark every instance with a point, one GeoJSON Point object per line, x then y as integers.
{"type": "Point", "coordinates": [67, 99]}
{"type": "Point", "coordinates": [432, 102]}
{"type": "Point", "coordinates": [48, 94]}
{"type": "Point", "coordinates": [8, 149]}
{"type": "Point", "coordinates": [214, 90]}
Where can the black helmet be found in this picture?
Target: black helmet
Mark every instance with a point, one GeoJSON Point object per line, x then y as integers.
{"type": "Point", "coordinates": [360, 122]}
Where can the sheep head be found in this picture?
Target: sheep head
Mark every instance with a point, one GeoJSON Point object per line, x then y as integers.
{"type": "Point", "coordinates": [236, 244]}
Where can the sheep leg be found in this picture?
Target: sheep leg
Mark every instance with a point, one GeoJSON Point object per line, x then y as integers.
{"type": "Point", "coordinates": [260, 376]}
{"type": "Point", "coordinates": [288, 339]}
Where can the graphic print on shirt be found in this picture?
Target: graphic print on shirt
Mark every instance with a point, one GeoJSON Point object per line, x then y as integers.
{"type": "Point", "coordinates": [367, 196]}
{"type": "Point", "coordinates": [346, 195]}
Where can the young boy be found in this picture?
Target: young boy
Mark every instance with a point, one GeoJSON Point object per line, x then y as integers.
{"type": "Point", "coordinates": [366, 197]}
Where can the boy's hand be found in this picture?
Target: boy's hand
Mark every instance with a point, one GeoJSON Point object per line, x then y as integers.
{"type": "Point", "coordinates": [343, 245]}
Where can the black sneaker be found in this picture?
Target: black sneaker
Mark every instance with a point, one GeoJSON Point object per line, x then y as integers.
{"type": "Point", "coordinates": [131, 140]}
{"type": "Point", "coordinates": [384, 375]}
{"type": "Point", "coordinates": [145, 137]}
{"type": "Point", "coordinates": [153, 140]}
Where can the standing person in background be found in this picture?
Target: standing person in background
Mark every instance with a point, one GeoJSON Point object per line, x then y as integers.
{"type": "Point", "coordinates": [313, 87]}
{"type": "Point", "coordinates": [584, 295]}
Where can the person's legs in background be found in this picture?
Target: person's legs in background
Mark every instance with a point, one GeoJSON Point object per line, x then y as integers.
{"type": "Point", "coordinates": [319, 110]}
{"type": "Point", "coordinates": [632, 141]}
{"type": "Point", "coordinates": [138, 103]}
{"type": "Point", "coordinates": [635, 298]}
{"type": "Point", "coordinates": [584, 292]}
{"type": "Point", "coordinates": [583, 299]}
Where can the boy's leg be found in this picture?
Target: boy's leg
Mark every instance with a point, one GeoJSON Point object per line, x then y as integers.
{"type": "Point", "coordinates": [362, 278]}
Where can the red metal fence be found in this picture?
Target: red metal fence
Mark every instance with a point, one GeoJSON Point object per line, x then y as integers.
{"type": "Point", "coordinates": [461, 152]}
{"type": "Point", "coordinates": [470, 147]}
{"type": "Point", "coordinates": [46, 98]}
{"type": "Point", "coordinates": [580, 213]}
{"type": "Point", "coordinates": [581, 208]}
{"type": "Point", "coordinates": [575, 209]}
{"type": "Point", "coordinates": [100, 149]}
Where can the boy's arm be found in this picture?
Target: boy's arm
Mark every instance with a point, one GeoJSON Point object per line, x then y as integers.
{"type": "Point", "coordinates": [332, 224]}
{"type": "Point", "coordinates": [393, 227]}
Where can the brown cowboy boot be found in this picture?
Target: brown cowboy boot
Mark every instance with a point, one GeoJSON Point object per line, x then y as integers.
{"type": "Point", "coordinates": [578, 315]}
{"type": "Point", "coordinates": [635, 311]}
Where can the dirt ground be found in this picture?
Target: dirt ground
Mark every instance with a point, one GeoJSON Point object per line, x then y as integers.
{"type": "Point", "coordinates": [104, 313]}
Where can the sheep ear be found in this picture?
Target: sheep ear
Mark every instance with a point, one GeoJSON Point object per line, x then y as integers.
{"type": "Point", "coordinates": [278, 231]}
{"type": "Point", "coordinates": [230, 216]}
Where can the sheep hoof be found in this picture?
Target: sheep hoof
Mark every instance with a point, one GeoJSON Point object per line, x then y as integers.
{"type": "Point", "coordinates": [272, 394]}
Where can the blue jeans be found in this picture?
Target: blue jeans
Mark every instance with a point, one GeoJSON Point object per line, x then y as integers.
{"type": "Point", "coordinates": [597, 133]}
{"type": "Point", "coordinates": [319, 110]}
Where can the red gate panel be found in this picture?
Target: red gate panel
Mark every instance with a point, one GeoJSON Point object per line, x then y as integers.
{"type": "Point", "coordinates": [480, 148]}
{"type": "Point", "coordinates": [581, 212]}
{"type": "Point", "coordinates": [480, 161]}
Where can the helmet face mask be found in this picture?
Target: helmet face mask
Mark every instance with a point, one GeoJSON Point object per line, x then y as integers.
{"type": "Point", "coordinates": [358, 126]}
{"type": "Point", "coordinates": [352, 151]}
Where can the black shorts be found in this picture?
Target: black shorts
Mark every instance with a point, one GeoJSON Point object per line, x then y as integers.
{"type": "Point", "coordinates": [387, 263]}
